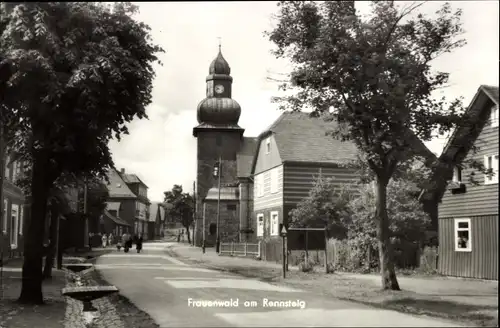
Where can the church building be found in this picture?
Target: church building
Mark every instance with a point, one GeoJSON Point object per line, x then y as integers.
{"type": "Point", "coordinates": [261, 178]}
{"type": "Point", "coordinates": [220, 139]}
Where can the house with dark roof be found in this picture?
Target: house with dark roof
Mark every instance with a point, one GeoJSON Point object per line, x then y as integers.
{"type": "Point", "coordinates": [142, 224]}
{"type": "Point", "coordinates": [291, 154]}
{"type": "Point", "coordinates": [468, 212]}
{"type": "Point", "coordinates": [247, 185]}
{"type": "Point", "coordinates": [119, 215]}
{"type": "Point", "coordinates": [14, 206]}
{"type": "Point", "coordinates": [157, 218]}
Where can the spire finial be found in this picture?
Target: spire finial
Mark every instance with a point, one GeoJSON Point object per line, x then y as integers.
{"type": "Point", "coordinates": [219, 43]}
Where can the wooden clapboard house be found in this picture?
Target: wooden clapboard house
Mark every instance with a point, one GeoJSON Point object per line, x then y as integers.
{"type": "Point", "coordinates": [468, 212]}
{"type": "Point", "coordinates": [291, 154]}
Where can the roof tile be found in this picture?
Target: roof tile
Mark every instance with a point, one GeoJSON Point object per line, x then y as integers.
{"type": "Point", "coordinates": [302, 138]}
{"type": "Point", "coordinates": [117, 188]}
{"type": "Point", "coordinates": [245, 156]}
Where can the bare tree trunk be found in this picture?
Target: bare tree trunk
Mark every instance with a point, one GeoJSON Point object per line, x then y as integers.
{"type": "Point", "coordinates": [387, 272]}
{"type": "Point", "coordinates": [31, 290]}
{"type": "Point", "coordinates": [49, 259]}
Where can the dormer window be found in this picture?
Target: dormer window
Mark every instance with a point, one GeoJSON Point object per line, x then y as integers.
{"type": "Point", "coordinates": [268, 145]}
{"type": "Point", "coordinates": [494, 116]}
{"type": "Point", "coordinates": [457, 174]}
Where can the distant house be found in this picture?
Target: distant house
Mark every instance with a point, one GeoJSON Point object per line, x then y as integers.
{"type": "Point", "coordinates": [13, 221]}
{"type": "Point", "coordinates": [157, 220]}
{"type": "Point", "coordinates": [291, 154]}
{"type": "Point", "coordinates": [468, 212]}
{"type": "Point", "coordinates": [142, 203]}
{"type": "Point", "coordinates": [119, 216]}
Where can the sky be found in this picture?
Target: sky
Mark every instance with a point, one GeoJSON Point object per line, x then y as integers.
{"type": "Point", "coordinates": [162, 149]}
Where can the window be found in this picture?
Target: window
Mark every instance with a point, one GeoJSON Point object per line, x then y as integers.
{"type": "Point", "coordinates": [231, 207]}
{"type": "Point", "coordinates": [275, 224]}
{"type": "Point", "coordinates": [260, 225]}
{"type": "Point", "coordinates": [463, 235]}
{"type": "Point", "coordinates": [218, 140]}
{"type": "Point", "coordinates": [14, 225]}
{"type": "Point", "coordinates": [4, 218]}
{"type": "Point", "coordinates": [7, 168]}
{"type": "Point", "coordinates": [494, 116]}
{"type": "Point", "coordinates": [21, 220]}
{"type": "Point", "coordinates": [259, 185]}
{"type": "Point", "coordinates": [268, 145]}
{"type": "Point", "coordinates": [274, 181]}
{"type": "Point", "coordinates": [491, 162]}
{"type": "Point", "coordinates": [457, 174]}
{"type": "Point", "coordinates": [14, 171]}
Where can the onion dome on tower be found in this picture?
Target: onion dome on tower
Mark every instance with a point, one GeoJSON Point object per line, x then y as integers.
{"type": "Point", "coordinates": [219, 65]}
{"type": "Point", "coordinates": [218, 109]}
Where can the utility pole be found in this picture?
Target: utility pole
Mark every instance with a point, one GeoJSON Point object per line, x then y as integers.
{"type": "Point", "coordinates": [86, 240]}
{"type": "Point", "coordinates": [194, 214]}
{"type": "Point", "coordinates": [217, 242]}
{"type": "Point", "coordinates": [2, 216]}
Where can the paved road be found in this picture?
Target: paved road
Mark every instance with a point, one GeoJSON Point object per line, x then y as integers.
{"type": "Point", "coordinates": [174, 294]}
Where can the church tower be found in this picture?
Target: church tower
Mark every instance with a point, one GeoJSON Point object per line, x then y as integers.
{"type": "Point", "coordinates": [218, 136]}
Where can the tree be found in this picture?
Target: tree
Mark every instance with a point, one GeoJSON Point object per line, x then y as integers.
{"type": "Point", "coordinates": [406, 214]}
{"type": "Point", "coordinates": [180, 207]}
{"type": "Point", "coordinates": [82, 71]}
{"type": "Point", "coordinates": [59, 203]}
{"type": "Point", "coordinates": [373, 76]}
{"type": "Point", "coordinates": [325, 206]}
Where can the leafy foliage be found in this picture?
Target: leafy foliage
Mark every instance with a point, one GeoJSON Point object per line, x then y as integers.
{"type": "Point", "coordinates": [179, 206]}
{"type": "Point", "coordinates": [375, 72]}
{"type": "Point", "coordinates": [326, 206]}
{"type": "Point", "coordinates": [348, 211]}
{"type": "Point", "coordinates": [81, 71]}
{"type": "Point", "coordinates": [373, 76]}
{"type": "Point", "coordinates": [408, 221]}
{"type": "Point", "coordinates": [78, 73]}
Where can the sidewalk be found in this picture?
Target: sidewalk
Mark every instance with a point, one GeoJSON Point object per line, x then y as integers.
{"type": "Point", "coordinates": [195, 254]}
{"type": "Point", "coordinates": [54, 314]}
{"type": "Point", "coordinates": [473, 301]}
{"type": "Point", "coordinates": [16, 315]}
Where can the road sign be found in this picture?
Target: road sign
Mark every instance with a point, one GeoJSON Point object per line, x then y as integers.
{"type": "Point", "coordinates": [283, 230]}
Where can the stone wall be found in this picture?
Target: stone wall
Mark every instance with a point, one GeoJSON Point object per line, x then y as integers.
{"type": "Point", "coordinates": [229, 222]}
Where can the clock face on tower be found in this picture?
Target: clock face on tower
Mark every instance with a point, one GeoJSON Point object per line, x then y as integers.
{"type": "Point", "coordinates": [219, 89]}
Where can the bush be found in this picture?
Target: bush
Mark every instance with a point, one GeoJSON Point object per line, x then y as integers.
{"type": "Point", "coordinates": [351, 255]}
{"type": "Point", "coordinates": [330, 268]}
{"type": "Point", "coordinates": [306, 267]}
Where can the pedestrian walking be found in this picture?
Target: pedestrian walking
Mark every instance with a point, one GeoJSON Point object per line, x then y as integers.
{"type": "Point", "coordinates": [104, 240]}
{"type": "Point", "coordinates": [111, 239]}
{"type": "Point", "coordinates": [138, 243]}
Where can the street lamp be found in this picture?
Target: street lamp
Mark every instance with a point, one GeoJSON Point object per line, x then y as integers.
{"type": "Point", "coordinates": [217, 173]}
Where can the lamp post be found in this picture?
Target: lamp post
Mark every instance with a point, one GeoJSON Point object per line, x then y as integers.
{"type": "Point", "coordinates": [217, 173]}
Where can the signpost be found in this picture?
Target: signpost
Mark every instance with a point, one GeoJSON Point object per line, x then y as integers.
{"type": "Point", "coordinates": [284, 260]}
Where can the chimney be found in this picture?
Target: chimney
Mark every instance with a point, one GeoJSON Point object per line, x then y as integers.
{"type": "Point", "coordinates": [122, 171]}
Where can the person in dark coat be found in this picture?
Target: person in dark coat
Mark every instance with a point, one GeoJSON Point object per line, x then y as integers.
{"type": "Point", "coordinates": [138, 243]}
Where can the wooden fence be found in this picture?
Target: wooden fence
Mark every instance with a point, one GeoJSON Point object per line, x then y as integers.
{"type": "Point", "coordinates": [240, 249]}
{"type": "Point", "coordinates": [347, 258]}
